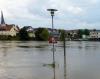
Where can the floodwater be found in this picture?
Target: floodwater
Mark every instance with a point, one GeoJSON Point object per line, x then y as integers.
{"type": "Point", "coordinates": [31, 60]}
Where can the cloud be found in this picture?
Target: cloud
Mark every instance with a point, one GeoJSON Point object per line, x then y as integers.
{"type": "Point", "coordinates": [65, 6]}
{"type": "Point", "coordinates": [94, 1]}
{"type": "Point", "coordinates": [71, 13]}
{"type": "Point", "coordinates": [74, 10]}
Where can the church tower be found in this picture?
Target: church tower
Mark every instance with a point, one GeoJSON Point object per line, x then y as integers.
{"type": "Point", "coordinates": [2, 18]}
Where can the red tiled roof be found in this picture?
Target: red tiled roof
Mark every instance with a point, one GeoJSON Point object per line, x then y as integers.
{"type": "Point", "coordinates": [6, 27]}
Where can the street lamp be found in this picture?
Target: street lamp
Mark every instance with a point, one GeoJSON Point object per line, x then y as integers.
{"type": "Point", "coordinates": [52, 15]}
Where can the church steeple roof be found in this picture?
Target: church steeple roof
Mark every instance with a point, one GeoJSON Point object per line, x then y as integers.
{"type": "Point", "coordinates": [2, 18]}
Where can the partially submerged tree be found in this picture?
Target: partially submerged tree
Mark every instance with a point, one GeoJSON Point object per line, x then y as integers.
{"type": "Point", "coordinates": [86, 32]}
{"type": "Point", "coordinates": [62, 35]}
{"type": "Point", "coordinates": [41, 34]}
{"type": "Point", "coordinates": [23, 34]}
{"type": "Point", "coordinates": [80, 33]}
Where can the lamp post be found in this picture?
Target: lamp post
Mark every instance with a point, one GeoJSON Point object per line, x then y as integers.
{"type": "Point", "coordinates": [52, 15]}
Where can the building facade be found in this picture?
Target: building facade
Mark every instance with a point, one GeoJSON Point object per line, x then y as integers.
{"type": "Point", "coordinates": [95, 34]}
{"type": "Point", "coordinates": [30, 31]}
{"type": "Point", "coordinates": [9, 30]}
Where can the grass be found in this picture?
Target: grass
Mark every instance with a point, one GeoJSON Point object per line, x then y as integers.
{"type": "Point", "coordinates": [50, 65]}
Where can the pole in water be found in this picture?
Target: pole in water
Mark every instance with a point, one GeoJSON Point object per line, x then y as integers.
{"type": "Point", "coordinates": [52, 15]}
{"type": "Point", "coordinates": [64, 43]}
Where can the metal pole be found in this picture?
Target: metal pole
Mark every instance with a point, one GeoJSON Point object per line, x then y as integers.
{"type": "Point", "coordinates": [53, 48]}
{"type": "Point", "coordinates": [64, 41]}
{"type": "Point", "coordinates": [52, 14]}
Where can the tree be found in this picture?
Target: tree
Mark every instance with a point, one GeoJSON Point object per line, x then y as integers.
{"type": "Point", "coordinates": [80, 33]}
{"type": "Point", "coordinates": [45, 34]}
{"type": "Point", "coordinates": [42, 34]}
{"type": "Point", "coordinates": [23, 34]}
{"type": "Point", "coordinates": [62, 35]}
{"type": "Point", "coordinates": [86, 32]}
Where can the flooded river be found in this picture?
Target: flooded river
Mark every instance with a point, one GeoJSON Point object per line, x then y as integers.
{"type": "Point", "coordinates": [31, 59]}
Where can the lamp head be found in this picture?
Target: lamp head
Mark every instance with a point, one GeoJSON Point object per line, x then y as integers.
{"type": "Point", "coordinates": [52, 11]}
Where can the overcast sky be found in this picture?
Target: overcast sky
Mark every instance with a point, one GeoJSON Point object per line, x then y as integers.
{"type": "Point", "coordinates": [71, 14]}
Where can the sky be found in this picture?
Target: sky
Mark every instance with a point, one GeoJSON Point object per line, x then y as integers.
{"type": "Point", "coordinates": [71, 14]}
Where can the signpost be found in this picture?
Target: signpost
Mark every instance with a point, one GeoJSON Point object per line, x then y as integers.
{"type": "Point", "coordinates": [52, 40]}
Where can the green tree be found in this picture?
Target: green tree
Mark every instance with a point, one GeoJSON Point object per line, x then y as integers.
{"type": "Point", "coordinates": [42, 34]}
{"type": "Point", "coordinates": [60, 30]}
{"type": "Point", "coordinates": [45, 34]}
{"type": "Point", "coordinates": [80, 33]}
{"type": "Point", "coordinates": [62, 35]}
{"type": "Point", "coordinates": [86, 32]}
{"type": "Point", "coordinates": [23, 34]}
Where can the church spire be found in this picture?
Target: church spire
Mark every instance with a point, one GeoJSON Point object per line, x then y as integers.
{"type": "Point", "coordinates": [2, 18]}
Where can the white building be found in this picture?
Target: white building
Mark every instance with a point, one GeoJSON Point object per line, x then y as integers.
{"type": "Point", "coordinates": [8, 30]}
{"type": "Point", "coordinates": [95, 34]}
{"type": "Point", "coordinates": [30, 31]}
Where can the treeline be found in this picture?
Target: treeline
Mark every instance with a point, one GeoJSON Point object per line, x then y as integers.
{"type": "Point", "coordinates": [40, 34]}
{"type": "Point", "coordinates": [43, 34]}
{"type": "Point", "coordinates": [74, 35]}
{"type": "Point", "coordinates": [82, 32]}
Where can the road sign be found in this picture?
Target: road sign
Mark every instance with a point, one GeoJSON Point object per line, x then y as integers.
{"type": "Point", "coordinates": [52, 40]}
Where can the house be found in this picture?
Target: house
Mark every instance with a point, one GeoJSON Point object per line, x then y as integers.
{"type": "Point", "coordinates": [30, 31]}
{"type": "Point", "coordinates": [94, 34]}
{"type": "Point", "coordinates": [71, 34]}
{"type": "Point", "coordinates": [9, 29]}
